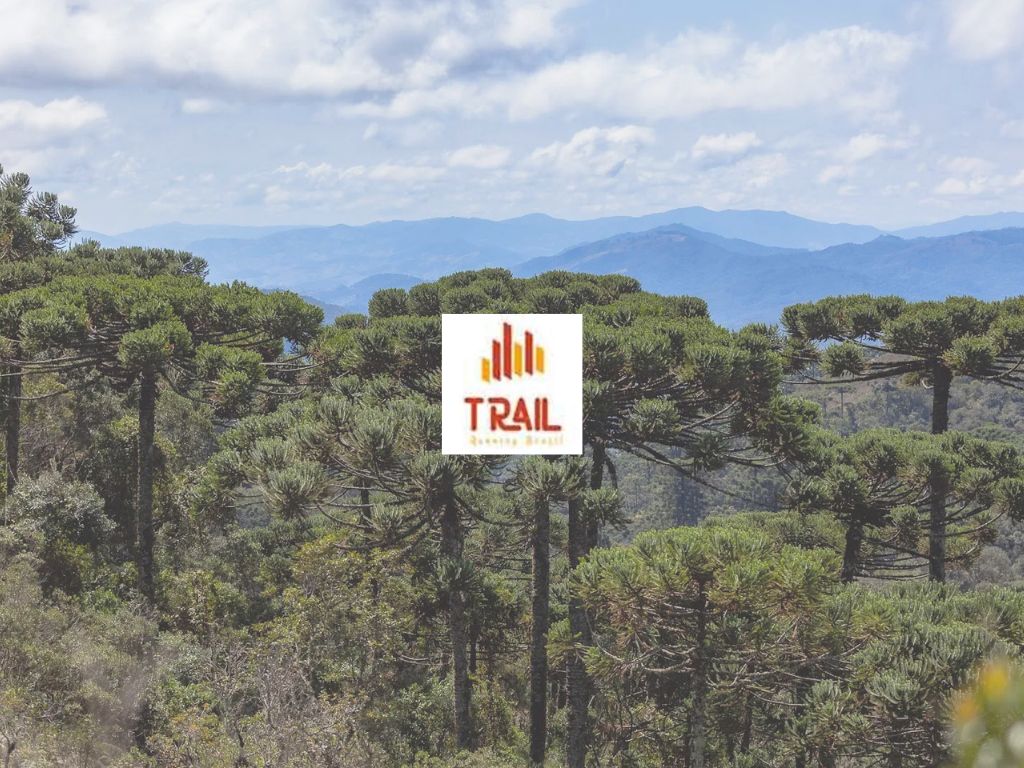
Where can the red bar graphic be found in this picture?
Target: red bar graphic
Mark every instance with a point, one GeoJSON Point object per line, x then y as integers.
{"type": "Point", "coordinates": [507, 365]}
{"type": "Point", "coordinates": [512, 359]}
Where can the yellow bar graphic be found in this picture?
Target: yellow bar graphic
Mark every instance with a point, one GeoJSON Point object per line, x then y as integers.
{"type": "Point", "coordinates": [540, 359]}
{"type": "Point", "coordinates": [485, 369]}
{"type": "Point", "coordinates": [518, 351]}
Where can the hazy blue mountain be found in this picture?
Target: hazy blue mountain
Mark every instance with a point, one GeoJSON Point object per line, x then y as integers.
{"type": "Point", "coordinates": [318, 260]}
{"type": "Point", "coordinates": [965, 224]}
{"type": "Point", "coordinates": [179, 236]}
{"type": "Point", "coordinates": [748, 264]}
{"type": "Point", "coordinates": [355, 297]}
{"type": "Point", "coordinates": [776, 228]}
{"type": "Point", "coordinates": [743, 285]}
{"type": "Point", "coordinates": [331, 311]}
{"type": "Point", "coordinates": [343, 299]}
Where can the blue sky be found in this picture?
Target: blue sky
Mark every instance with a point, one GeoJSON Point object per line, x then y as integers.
{"type": "Point", "coordinates": [321, 112]}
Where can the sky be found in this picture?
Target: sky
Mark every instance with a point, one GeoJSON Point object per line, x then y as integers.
{"type": "Point", "coordinates": [349, 111]}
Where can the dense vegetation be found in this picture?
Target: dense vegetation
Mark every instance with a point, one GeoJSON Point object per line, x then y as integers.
{"type": "Point", "coordinates": [229, 537]}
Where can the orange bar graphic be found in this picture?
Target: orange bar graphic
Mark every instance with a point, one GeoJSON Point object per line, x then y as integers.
{"type": "Point", "coordinates": [506, 366]}
{"type": "Point", "coordinates": [510, 358]}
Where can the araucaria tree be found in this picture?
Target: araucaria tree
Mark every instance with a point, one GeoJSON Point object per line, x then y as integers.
{"type": "Point", "coordinates": [328, 590]}
{"type": "Point", "coordinates": [662, 382]}
{"type": "Point", "coordinates": [862, 338]}
{"type": "Point", "coordinates": [322, 459]}
{"type": "Point", "coordinates": [32, 227]}
{"type": "Point", "coordinates": [879, 485]}
{"type": "Point", "coordinates": [216, 342]}
{"type": "Point", "coordinates": [736, 644]}
{"type": "Point", "coordinates": [542, 482]}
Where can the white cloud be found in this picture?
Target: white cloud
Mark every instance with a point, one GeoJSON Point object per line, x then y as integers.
{"type": "Point", "coordinates": [764, 170]}
{"type": "Point", "coordinates": [404, 134]}
{"type": "Point", "coordinates": [985, 29]}
{"type": "Point", "coordinates": [968, 165]}
{"type": "Point", "coordinates": [530, 23]}
{"type": "Point", "coordinates": [834, 173]}
{"type": "Point", "coordinates": [328, 175]}
{"type": "Point", "coordinates": [594, 151]}
{"type": "Point", "coordinates": [481, 156]}
{"type": "Point", "coordinates": [201, 106]}
{"type": "Point", "coordinates": [975, 176]}
{"type": "Point", "coordinates": [698, 72]}
{"type": "Point", "coordinates": [41, 138]}
{"type": "Point", "coordinates": [724, 146]}
{"type": "Point", "coordinates": [396, 59]}
{"type": "Point", "coordinates": [396, 172]}
{"type": "Point", "coordinates": [852, 157]}
{"type": "Point", "coordinates": [866, 145]}
{"type": "Point", "coordinates": [314, 47]}
{"type": "Point", "coordinates": [37, 124]}
{"type": "Point", "coordinates": [955, 186]}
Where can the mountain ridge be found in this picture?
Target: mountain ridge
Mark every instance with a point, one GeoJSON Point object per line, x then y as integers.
{"type": "Point", "coordinates": [748, 287]}
{"type": "Point", "coordinates": [341, 265]}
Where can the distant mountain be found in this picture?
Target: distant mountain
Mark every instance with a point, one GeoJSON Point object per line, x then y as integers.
{"type": "Point", "coordinates": [357, 296]}
{"type": "Point", "coordinates": [320, 260]}
{"type": "Point", "coordinates": [776, 228]}
{"type": "Point", "coordinates": [178, 236]}
{"type": "Point", "coordinates": [330, 311]}
{"type": "Point", "coordinates": [964, 224]}
{"type": "Point", "coordinates": [743, 285]}
{"type": "Point", "coordinates": [747, 263]}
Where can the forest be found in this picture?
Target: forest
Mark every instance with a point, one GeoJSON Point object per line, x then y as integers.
{"type": "Point", "coordinates": [229, 538]}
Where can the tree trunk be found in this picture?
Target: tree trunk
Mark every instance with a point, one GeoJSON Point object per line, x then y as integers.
{"type": "Point", "coordinates": [748, 725]}
{"type": "Point", "coordinates": [596, 481]}
{"type": "Point", "coordinates": [13, 426]}
{"type": "Point", "coordinates": [851, 554]}
{"type": "Point", "coordinates": [582, 539]}
{"type": "Point", "coordinates": [698, 734]}
{"type": "Point", "coordinates": [365, 509]}
{"type": "Point", "coordinates": [577, 680]}
{"type": "Point", "coordinates": [541, 542]}
{"type": "Point", "coordinates": [451, 547]}
{"type": "Point", "coordinates": [144, 491]}
{"type": "Point", "coordinates": [942, 378]}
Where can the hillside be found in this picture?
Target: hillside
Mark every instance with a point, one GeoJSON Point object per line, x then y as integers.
{"type": "Point", "coordinates": [742, 284]}
{"type": "Point", "coordinates": [316, 260]}
{"type": "Point", "coordinates": [748, 264]}
{"type": "Point", "coordinates": [964, 224]}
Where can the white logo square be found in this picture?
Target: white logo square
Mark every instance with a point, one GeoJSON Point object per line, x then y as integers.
{"type": "Point", "coordinates": [512, 384]}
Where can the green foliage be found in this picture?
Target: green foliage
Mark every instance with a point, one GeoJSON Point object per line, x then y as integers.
{"type": "Point", "coordinates": [969, 336]}
{"type": "Point", "coordinates": [30, 224]}
{"type": "Point", "coordinates": [389, 302]}
{"type": "Point", "coordinates": [793, 665]}
{"type": "Point", "coordinates": [69, 673]}
{"type": "Point", "coordinates": [63, 524]}
{"type": "Point", "coordinates": [320, 562]}
{"type": "Point", "coordinates": [878, 485]}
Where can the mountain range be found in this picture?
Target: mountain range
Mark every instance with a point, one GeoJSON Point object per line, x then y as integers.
{"type": "Point", "coordinates": [744, 282]}
{"type": "Point", "coordinates": [747, 264]}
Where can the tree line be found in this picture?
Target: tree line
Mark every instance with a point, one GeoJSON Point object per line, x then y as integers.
{"type": "Point", "coordinates": [230, 538]}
